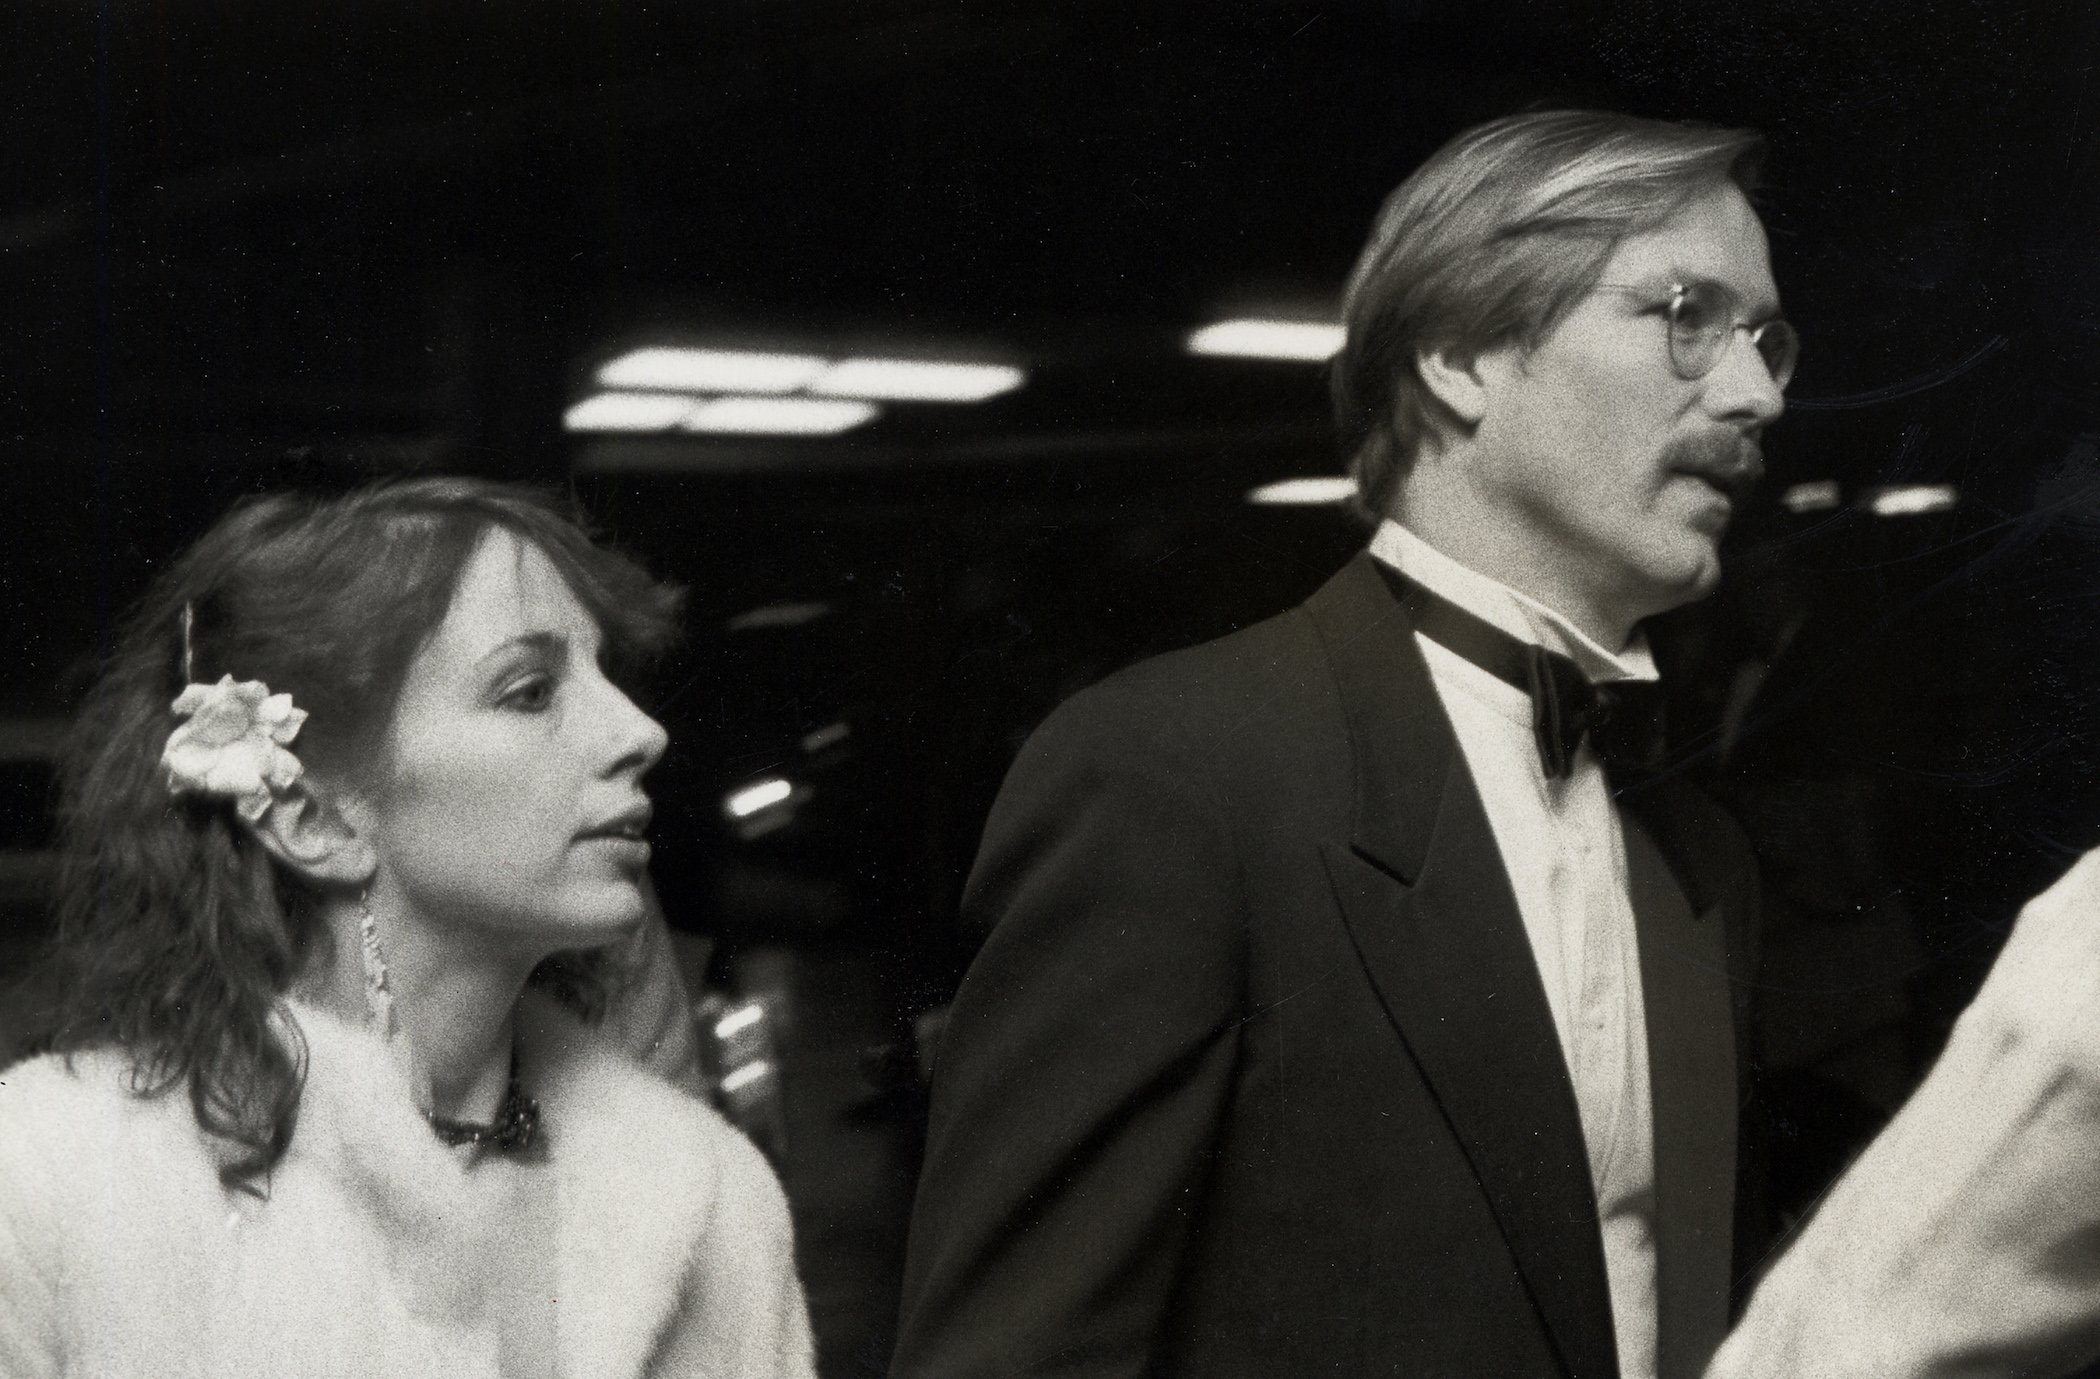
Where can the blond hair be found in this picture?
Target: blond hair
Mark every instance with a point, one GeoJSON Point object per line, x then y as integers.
{"type": "Point", "coordinates": [1491, 242]}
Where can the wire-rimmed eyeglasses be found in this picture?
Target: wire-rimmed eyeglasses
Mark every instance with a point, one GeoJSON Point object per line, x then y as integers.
{"type": "Point", "coordinates": [1703, 318]}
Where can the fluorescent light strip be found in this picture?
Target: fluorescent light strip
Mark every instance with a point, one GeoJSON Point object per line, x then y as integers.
{"type": "Point", "coordinates": [739, 1020]}
{"type": "Point", "coordinates": [1250, 337]}
{"type": "Point", "coordinates": [743, 1077]}
{"type": "Point", "coordinates": [916, 380]}
{"type": "Point", "coordinates": [1909, 500]}
{"type": "Point", "coordinates": [778, 416]}
{"type": "Point", "coordinates": [1820, 495]}
{"type": "Point", "coordinates": [831, 735]}
{"type": "Point", "coordinates": [777, 615]}
{"type": "Point", "coordinates": [627, 412]}
{"type": "Point", "coordinates": [711, 371]}
{"type": "Point", "coordinates": [742, 804]}
{"type": "Point", "coordinates": [1307, 492]}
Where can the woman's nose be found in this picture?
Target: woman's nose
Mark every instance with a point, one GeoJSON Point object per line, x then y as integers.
{"type": "Point", "coordinates": [642, 740]}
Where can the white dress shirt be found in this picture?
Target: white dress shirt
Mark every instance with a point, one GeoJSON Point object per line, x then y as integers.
{"type": "Point", "coordinates": [1562, 845]}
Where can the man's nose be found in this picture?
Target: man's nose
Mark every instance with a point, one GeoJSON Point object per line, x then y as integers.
{"type": "Point", "coordinates": [1741, 390]}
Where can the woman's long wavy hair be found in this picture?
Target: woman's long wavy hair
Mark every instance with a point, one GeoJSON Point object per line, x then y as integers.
{"type": "Point", "coordinates": [177, 934]}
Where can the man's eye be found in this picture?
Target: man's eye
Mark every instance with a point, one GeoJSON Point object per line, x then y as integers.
{"type": "Point", "coordinates": [1697, 312]}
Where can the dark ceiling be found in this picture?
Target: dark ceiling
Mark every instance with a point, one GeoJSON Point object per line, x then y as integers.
{"type": "Point", "coordinates": [234, 227]}
{"type": "Point", "coordinates": [248, 244]}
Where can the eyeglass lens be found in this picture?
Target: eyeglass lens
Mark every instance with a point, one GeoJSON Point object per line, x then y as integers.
{"type": "Point", "coordinates": [1702, 322]}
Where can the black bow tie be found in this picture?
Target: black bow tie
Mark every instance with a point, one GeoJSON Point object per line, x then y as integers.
{"type": "Point", "coordinates": [1619, 719]}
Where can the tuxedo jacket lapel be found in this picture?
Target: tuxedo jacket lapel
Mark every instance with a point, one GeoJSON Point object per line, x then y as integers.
{"type": "Point", "coordinates": [1422, 890]}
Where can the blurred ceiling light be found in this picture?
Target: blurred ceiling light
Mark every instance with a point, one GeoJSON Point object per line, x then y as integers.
{"type": "Point", "coordinates": [1304, 492]}
{"type": "Point", "coordinates": [1250, 337]}
{"type": "Point", "coordinates": [739, 1020]}
{"type": "Point", "coordinates": [777, 615]}
{"type": "Point", "coordinates": [1819, 496]}
{"type": "Point", "coordinates": [711, 371]}
{"type": "Point", "coordinates": [627, 412]}
{"type": "Point", "coordinates": [742, 804]}
{"type": "Point", "coordinates": [1908, 500]}
{"type": "Point", "coordinates": [740, 1078]}
{"type": "Point", "coordinates": [779, 416]}
{"type": "Point", "coordinates": [831, 735]}
{"type": "Point", "coordinates": [916, 380]}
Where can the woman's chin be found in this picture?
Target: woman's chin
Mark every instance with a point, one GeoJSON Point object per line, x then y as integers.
{"type": "Point", "coordinates": [611, 922]}
{"type": "Point", "coordinates": [608, 915]}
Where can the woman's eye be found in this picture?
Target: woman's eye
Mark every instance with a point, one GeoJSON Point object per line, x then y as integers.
{"type": "Point", "coordinates": [531, 695]}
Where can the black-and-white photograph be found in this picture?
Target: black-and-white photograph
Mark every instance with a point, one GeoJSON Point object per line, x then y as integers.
{"type": "Point", "coordinates": [803, 689]}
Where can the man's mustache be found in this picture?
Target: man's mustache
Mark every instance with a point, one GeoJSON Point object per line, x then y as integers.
{"type": "Point", "coordinates": [1729, 460]}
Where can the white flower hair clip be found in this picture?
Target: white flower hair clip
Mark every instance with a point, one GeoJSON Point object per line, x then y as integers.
{"type": "Point", "coordinates": [232, 744]}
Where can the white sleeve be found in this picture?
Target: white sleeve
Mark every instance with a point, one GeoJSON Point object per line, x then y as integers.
{"type": "Point", "coordinates": [1966, 1239]}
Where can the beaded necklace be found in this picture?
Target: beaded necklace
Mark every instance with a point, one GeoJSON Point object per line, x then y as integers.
{"type": "Point", "coordinates": [517, 1121]}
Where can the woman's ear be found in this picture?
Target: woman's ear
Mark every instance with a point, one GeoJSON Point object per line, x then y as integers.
{"type": "Point", "coordinates": [1457, 381]}
{"type": "Point", "coordinates": [308, 834]}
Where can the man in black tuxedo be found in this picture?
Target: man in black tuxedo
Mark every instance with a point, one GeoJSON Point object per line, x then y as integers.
{"type": "Point", "coordinates": [1339, 1015]}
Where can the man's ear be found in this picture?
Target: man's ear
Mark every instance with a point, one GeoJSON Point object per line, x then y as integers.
{"type": "Point", "coordinates": [1457, 381]}
{"type": "Point", "coordinates": [305, 832]}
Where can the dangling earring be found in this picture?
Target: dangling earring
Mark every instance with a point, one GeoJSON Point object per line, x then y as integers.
{"type": "Point", "coordinates": [379, 991]}
{"type": "Point", "coordinates": [189, 650]}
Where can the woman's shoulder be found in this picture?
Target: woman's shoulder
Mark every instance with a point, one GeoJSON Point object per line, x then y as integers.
{"type": "Point", "coordinates": [86, 1096]}
{"type": "Point", "coordinates": [671, 1218]}
{"type": "Point", "coordinates": [46, 1103]}
{"type": "Point", "coordinates": [602, 1103]}
{"type": "Point", "coordinates": [79, 1131]}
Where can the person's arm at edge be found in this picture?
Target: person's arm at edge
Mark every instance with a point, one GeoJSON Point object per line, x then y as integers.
{"type": "Point", "coordinates": [1966, 1238]}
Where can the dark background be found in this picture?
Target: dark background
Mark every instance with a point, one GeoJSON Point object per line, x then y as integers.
{"type": "Point", "coordinates": [249, 245]}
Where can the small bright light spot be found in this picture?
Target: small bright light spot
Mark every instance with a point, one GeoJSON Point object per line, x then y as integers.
{"type": "Point", "coordinates": [916, 380]}
{"type": "Point", "coordinates": [711, 371]}
{"type": "Point", "coordinates": [1304, 492]}
{"type": "Point", "coordinates": [1820, 496]}
{"type": "Point", "coordinates": [779, 416]}
{"type": "Point", "coordinates": [627, 412]}
{"type": "Point", "coordinates": [739, 1020]}
{"type": "Point", "coordinates": [830, 735]}
{"type": "Point", "coordinates": [742, 804]}
{"type": "Point", "coordinates": [1908, 500]}
{"type": "Point", "coordinates": [1251, 337]}
{"type": "Point", "coordinates": [743, 1077]}
{"type": "Point", "coordinates": [777, 615]}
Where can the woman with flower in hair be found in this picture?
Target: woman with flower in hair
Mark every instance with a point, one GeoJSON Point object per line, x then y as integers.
{"type": "Point", "coordinates": [355, 832]}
